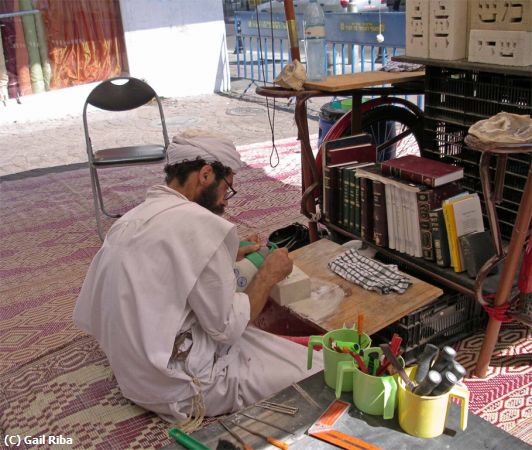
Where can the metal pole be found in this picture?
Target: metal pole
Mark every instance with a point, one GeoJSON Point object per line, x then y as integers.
{"type": "Point", "coordinates": [292, 29]}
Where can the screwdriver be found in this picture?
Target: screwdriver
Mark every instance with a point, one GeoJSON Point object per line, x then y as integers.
{"type": "Point", "coordinates": [275, 442]}
{"type": "Point", "coordinates": [236, 436]}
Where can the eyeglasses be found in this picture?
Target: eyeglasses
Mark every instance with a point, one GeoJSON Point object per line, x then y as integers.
{"type": "Point", "coordinates": [230, 192]}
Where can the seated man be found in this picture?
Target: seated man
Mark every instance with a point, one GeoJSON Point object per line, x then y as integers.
{"type": "Point", "coordinates": [160, 296]}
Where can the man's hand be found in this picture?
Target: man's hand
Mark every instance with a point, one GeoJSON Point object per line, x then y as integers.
{"type": "Point", "coordinates": [243, 251]}
{"type": "Point", "coordinates": [277, 265]}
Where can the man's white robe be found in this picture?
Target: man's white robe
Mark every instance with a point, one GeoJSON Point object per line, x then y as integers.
{"type": "Point", "coordinates": [165, 269]}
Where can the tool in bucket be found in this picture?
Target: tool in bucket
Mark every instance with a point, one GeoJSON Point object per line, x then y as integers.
{"type": "Point", "coordinates": [355, 355]}
{"type": "Point", "coordinates": [323, 429]}
{"type": "Point", "coordinates": [423, 404]}
{"type": "Point", "coordinates": [437, 372]}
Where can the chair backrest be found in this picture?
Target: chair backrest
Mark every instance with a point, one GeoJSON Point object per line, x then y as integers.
{"type": "Point", "coordinates": [121, 94]}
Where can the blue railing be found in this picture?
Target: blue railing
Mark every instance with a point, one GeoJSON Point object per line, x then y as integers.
{"type": "Point", "coordinates": [263, 47]}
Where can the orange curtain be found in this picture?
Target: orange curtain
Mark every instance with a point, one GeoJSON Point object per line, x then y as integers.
{"type": "Point", "coordinates": [85, 40]}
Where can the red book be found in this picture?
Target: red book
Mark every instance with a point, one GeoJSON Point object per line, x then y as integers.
{"type": "Point", "coordinates": [422, 170]}
{"type": "Point", "coordinates": [358, 148]}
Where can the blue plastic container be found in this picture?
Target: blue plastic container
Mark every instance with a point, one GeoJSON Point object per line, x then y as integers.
{"type": "Point", "coordinates": [330, 113]}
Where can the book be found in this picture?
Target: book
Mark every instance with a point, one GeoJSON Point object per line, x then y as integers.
{"type": "Point", "coordinates": [332, 202]}
{"type": "Point", "coordinates": [346, 212]}
{"type": "Point", "coordinates": [439, 237]}
{"type": "Point", "coordinates": [357, 205]}
{"type": "Point", "coordinates": [358, 148]}
{"type": "Point", "coordinates": [380, 222]}
{"type": "Point", "coordinates": [366, 209]}
{"type": "Point", "coordinates": [422, 170]}
{"type": "Point", "coordinates": [351, 200]}
{"type": "Point", "coordinates": [468, 219]}
{"type": "Point", "coordinates": [407, 231]}
{"type": "Point", "coordinates": [354, 197]}
{"type": "Point", "coordinates": [463, 215]}
{"type": "Point", "coordinates": [398, 219]}
{"type": "Point", "coordinates": [390, 217]}
{"type": "Point", "coordinates": [348, 141]}
{"type": "Point", "coordinates": [476, 248]}
{"type": "Point", "coordinates": [450, 226]}
{"type": "Point", "coordinates": [429, 199]}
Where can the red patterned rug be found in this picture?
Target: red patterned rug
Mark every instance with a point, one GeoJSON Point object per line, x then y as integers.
{"type": "Point", "coordinates": [55, 380]}
{"type": "Point", "coordinates": [504, 397]}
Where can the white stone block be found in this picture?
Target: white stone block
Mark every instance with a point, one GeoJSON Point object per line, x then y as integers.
{"type": "Point", "coordinates": [509, 48]}
{"type": "Point", "coordinates": [417, 28]}
{"type": "Point", "coordinates": [500, 15]}
{"type": "Point", "coordinates": [448, 29]}
{"type": "Point", "coordinates": [293, 288]}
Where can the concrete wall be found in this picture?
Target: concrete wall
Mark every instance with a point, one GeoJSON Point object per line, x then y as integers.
{"type": "Point", "coordinates": [177, 46]}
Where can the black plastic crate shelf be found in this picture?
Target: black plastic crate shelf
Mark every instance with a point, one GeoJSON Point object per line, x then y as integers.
{"type": "Point", "coordinates": [463, 97]}
{"type": "Point", "coordinates": [444, 141]}
{"type": "Point", "coordinates": [448, 319]}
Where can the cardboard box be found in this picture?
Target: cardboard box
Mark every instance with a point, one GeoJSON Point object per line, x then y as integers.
{"type": "Point", "coordinates": [417, 28]}
{"type": "Point", "coordinates": [448, 25]}
{"type": "Point", "coordinates": [501, 15]}
{"type": "Point", "coordinates": [510, 48]}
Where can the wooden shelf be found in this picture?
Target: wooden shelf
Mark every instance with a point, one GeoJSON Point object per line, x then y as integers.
{"type": "Point", "coordinates": [444, 275]}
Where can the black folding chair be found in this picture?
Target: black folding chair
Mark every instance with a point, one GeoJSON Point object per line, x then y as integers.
{"type": "Point", "coordinates": [120, 94]}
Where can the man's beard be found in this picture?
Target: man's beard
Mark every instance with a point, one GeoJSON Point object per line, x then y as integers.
{"type": "Point", "coordinates": [208, 198]}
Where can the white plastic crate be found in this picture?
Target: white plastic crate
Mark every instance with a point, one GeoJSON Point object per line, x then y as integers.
{"type": "Point", "coordinates": [501, 15]}
{"type": "Point", "coordinates": [448, 29]}
{"type": "Point", "coordinates": [417, 28]}
{"type": "Point", "coordinates": [510, 48]}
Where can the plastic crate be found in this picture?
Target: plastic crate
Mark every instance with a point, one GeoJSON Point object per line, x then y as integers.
{"type": "Point", "coordinates": [447, 320]}
{"type": "Point", "coordinates": [465, 96]}
{"type": "Point", "coordinates": [455, 99]}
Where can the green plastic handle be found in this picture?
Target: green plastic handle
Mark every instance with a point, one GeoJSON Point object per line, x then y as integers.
{"type": "Point", "coordinates": [312, 342]}
{"type": "Point", "coordinates": [390, 395]}
{"type": "Point", "coordinates": [342, 366]}
{"type": "Point", "coordinates": [186, 440]}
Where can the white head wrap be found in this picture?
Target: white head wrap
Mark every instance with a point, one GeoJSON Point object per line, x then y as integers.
{"type": "Point", "coordinates": [197, 144]}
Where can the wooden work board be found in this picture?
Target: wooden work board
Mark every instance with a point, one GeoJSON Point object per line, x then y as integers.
{"type": "Point", "coordinates": [379, 310]}
{"type": "Point", "coordinates": [353, 81]}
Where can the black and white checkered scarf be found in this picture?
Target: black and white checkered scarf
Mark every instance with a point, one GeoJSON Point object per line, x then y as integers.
{"type": "Point", "coordinates": [369, 273]}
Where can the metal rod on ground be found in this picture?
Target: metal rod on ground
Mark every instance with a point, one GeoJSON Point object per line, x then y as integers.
{"type": "Point", "coordinates": [265, 422]}
{"type": "Point", "coordinates": [275, 442]}
{"type": "Point", "coordinates": [236, 436]}
{"type": "Point", "coordinates": [305, 395]}
{"type": "Point", "coordinates": [278, 408]}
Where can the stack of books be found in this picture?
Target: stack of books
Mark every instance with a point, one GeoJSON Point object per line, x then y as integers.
{"type": "Point", "coordinates": [411, 204]}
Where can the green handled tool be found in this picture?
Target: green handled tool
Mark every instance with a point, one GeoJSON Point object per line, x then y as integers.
{"type": "Point", "coordinates": [186, 440]}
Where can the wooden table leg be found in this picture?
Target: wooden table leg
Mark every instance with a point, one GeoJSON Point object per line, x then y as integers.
{"type": "Point", "coordinates": [519, 233]}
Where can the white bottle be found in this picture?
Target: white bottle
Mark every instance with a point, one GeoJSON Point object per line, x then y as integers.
{"type": "Point", "coordinates": [314, 26]}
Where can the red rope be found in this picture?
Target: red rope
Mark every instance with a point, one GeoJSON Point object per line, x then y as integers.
{"type": "Point", "coordinates": [497, 312]}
